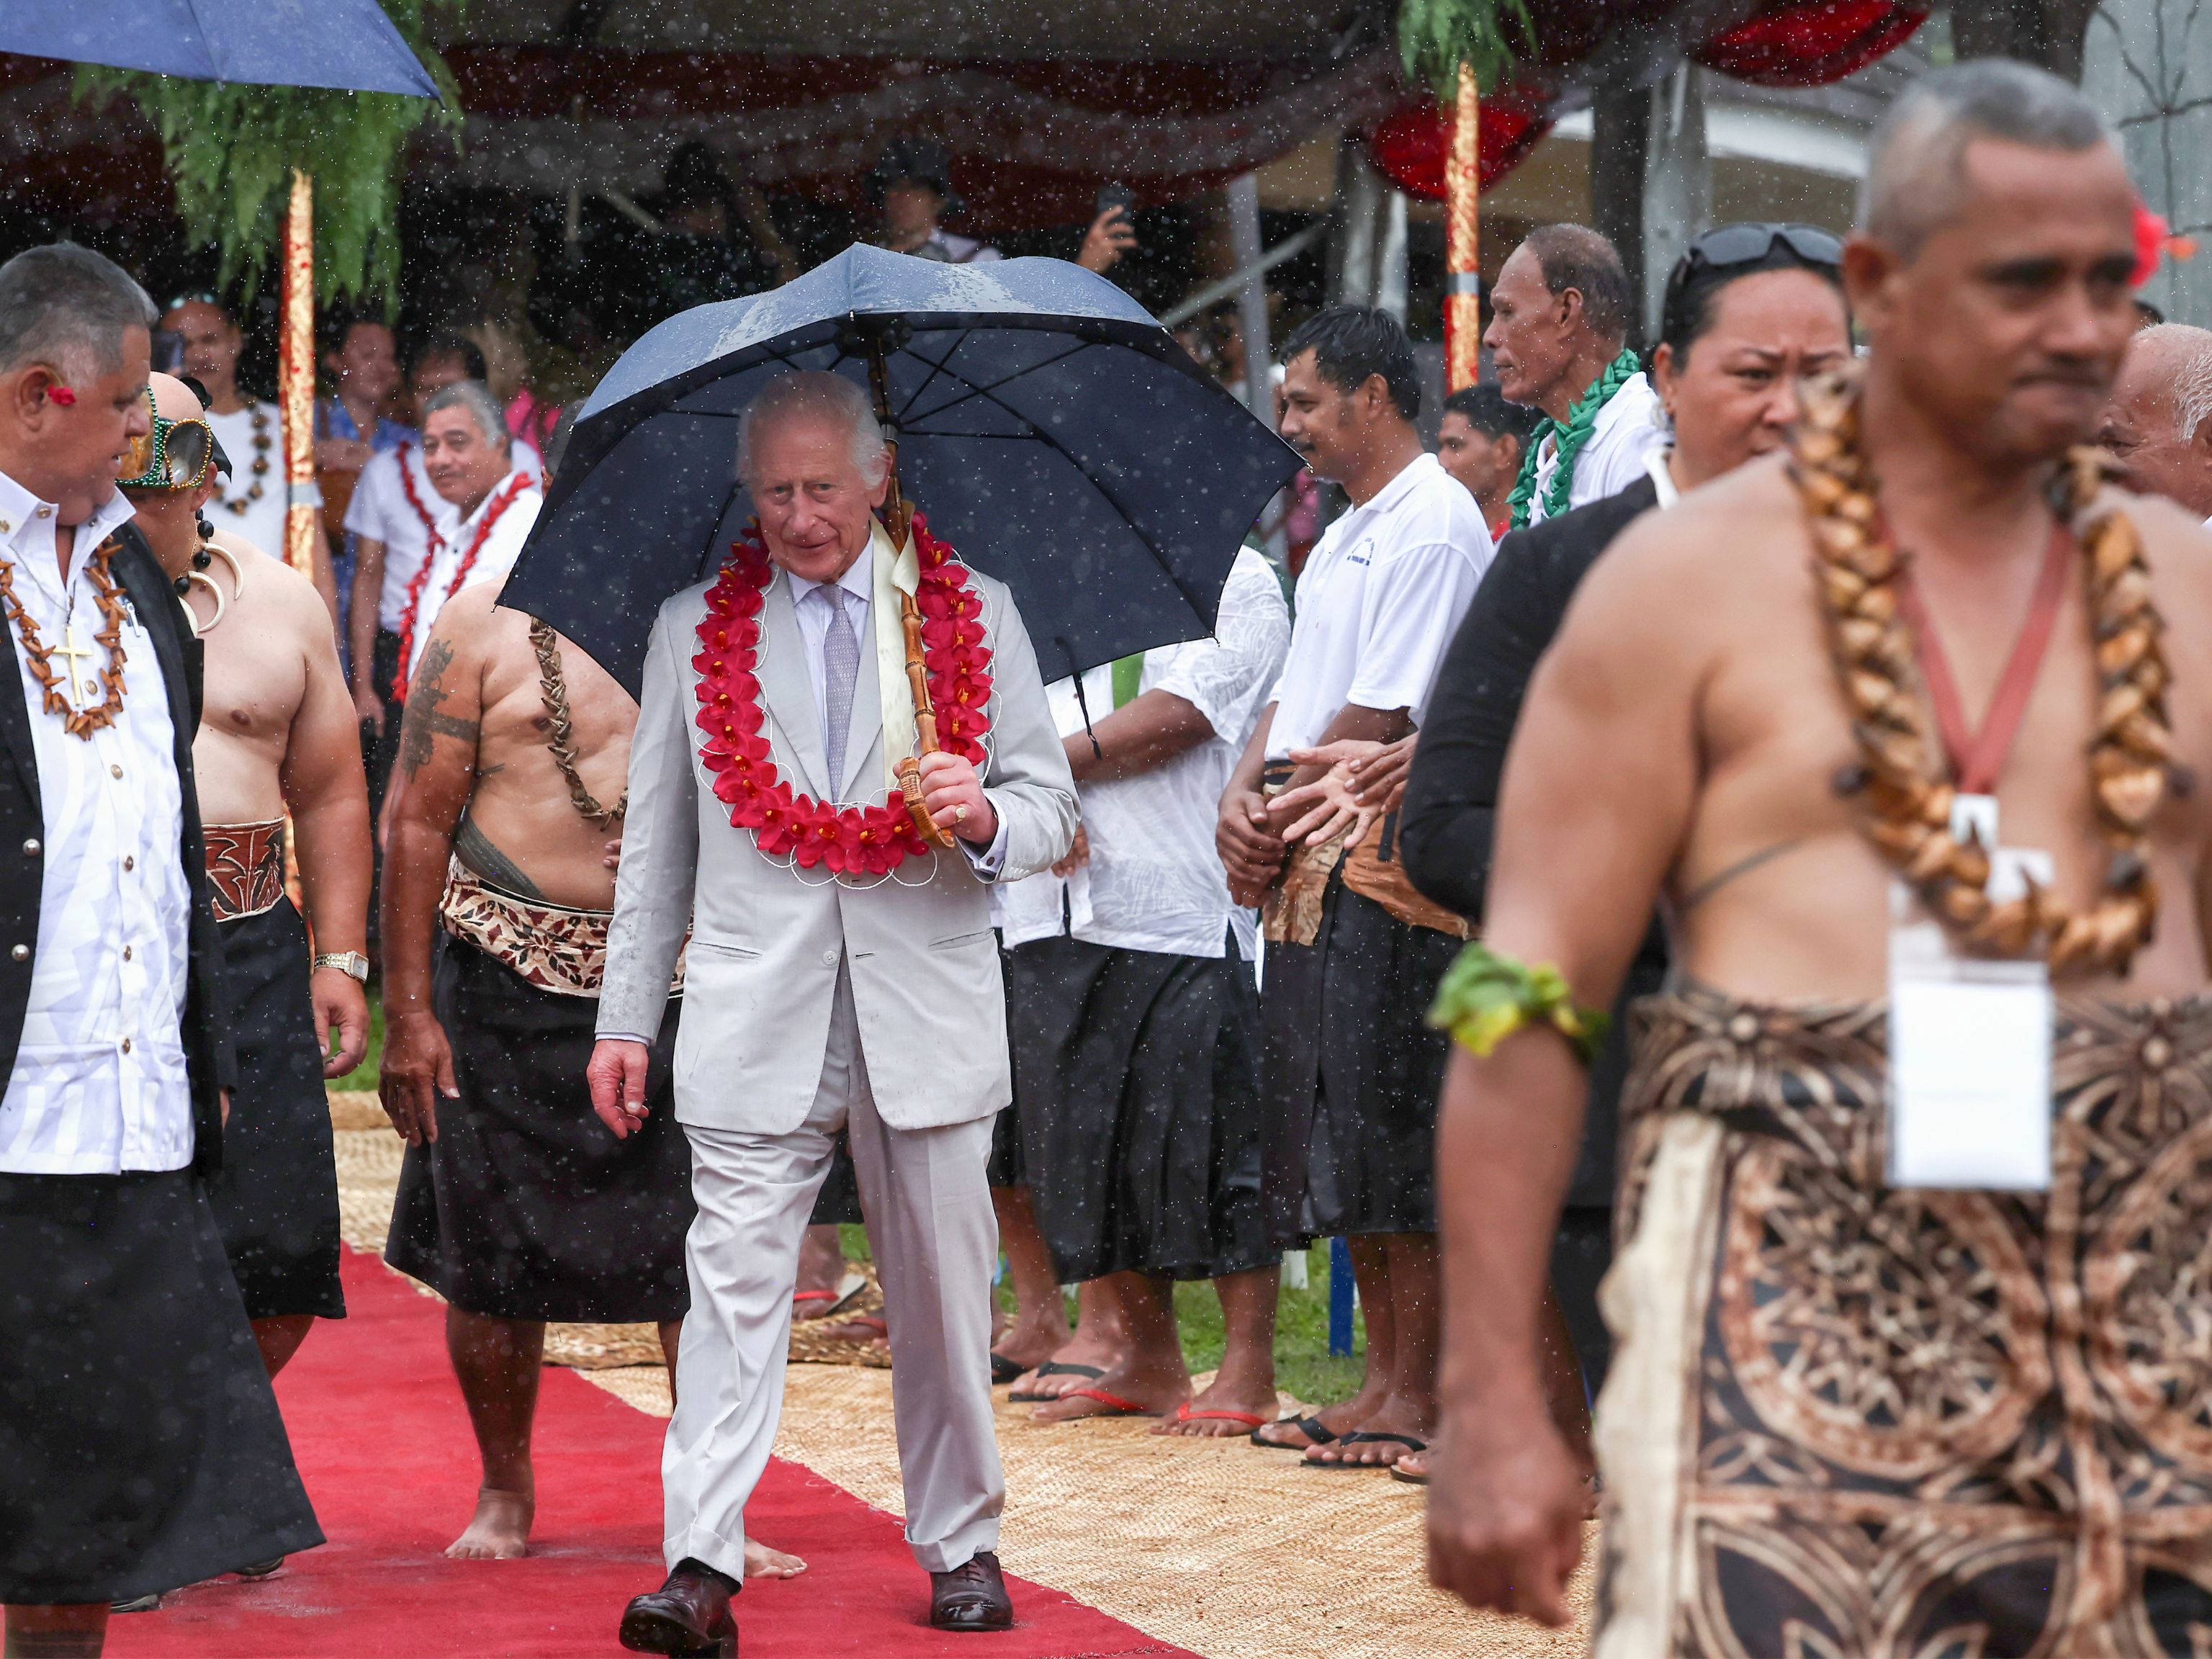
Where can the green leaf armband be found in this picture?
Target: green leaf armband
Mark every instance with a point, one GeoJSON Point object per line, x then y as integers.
{"type": "Point", "coordinates": [1486, 997]}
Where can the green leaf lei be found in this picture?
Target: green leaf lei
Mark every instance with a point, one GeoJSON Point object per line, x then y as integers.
{"type": "Point", "coordinates": [1581, 419]}
{"type": "Point", "coordinates": [1486, 997]}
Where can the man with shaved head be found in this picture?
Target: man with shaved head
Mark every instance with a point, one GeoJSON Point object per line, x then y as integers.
{"type": "Point", "coordinates": [1898, 727]}
{"type": "Point", "coordinates": [1559, 315]}
{"type": "Point", "coordinates": [2159, 422]}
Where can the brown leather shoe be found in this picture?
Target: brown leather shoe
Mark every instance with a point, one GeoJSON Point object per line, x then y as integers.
{"type": "Point", "coordinates": [972, 1596]}
{"type": "Point", "coordinates": [689, 1615]}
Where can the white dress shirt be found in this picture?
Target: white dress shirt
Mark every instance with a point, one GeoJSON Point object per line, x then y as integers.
{"type": "Point", "coordinates": [1379, 600]}
{"type": "Point", "coordinates": [1155, 880]}
{"type": "Point", "coordinates": [100, 1084]}
{"type": "Point", "coordinates": [494, 560]}
{"type": "Point", "coordinates": [1629, 429]}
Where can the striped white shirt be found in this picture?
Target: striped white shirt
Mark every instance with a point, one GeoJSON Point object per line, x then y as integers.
{"type": "Point", "coordinates": [99, 1085]}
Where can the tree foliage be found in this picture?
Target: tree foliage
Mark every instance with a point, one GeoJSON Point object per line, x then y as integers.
{"type": "Point", "coordinates": [231, 150]}
{"type": "Point", "coordinates": [1437, 36]}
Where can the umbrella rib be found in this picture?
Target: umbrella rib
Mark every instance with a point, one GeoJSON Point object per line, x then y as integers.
{"type": "Point", "coordinates": [979, 389]}
{"type": "Point", "coordinates": [937, 367]}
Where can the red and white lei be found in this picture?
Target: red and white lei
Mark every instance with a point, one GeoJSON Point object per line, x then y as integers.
{"type": "Point", "coordinates": [499, 504]}
{"type": "Point", "coordinates": [865, 840]}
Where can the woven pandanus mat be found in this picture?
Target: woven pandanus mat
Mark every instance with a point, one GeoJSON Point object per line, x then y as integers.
{"type": "Point", "coordinates": [1216, 1545]}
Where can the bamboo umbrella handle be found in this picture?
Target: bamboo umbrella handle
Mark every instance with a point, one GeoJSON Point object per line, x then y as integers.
{"type": "Point", "coordinates": [925, 721]}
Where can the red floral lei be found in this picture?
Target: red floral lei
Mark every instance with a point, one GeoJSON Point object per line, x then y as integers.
{"type": "Point", "coordinates": [848, 839]}
{"type": "Point", "coordinates": [414, 501]}
{"type": "Point", "coordinates": [498, 506]}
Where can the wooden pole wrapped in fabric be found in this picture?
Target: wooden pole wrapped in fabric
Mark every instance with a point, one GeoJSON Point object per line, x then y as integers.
{"type": "Point", "coordinates": [295, 376]}
{"type": "Point", "coordinates": [1462, 237]}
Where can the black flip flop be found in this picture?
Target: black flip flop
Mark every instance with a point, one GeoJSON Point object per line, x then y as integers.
{"type": "Point", "coordinates": [1054, 1368]}
{"type": "Point", "coordinates": [1363, 1437]}
{"type": "Point", "coordinates": [1317, 1433]}
{"type": "Point", "coordinates": [1005, 1370]}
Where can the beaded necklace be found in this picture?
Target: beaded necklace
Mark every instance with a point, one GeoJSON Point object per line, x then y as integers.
{"type": "Point", "coordinates": [1582, 420]}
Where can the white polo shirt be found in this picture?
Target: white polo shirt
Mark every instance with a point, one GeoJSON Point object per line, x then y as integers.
{"type": "Point", "coordinates": [1378, 602]}
{"type": "Point", "coordinates": [1629, 430]}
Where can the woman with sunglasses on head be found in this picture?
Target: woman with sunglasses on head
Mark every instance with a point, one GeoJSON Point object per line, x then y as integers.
{"type": "Point", "coordinates": [1750, 310]}
{"type": "Point", "coordinates": [276, 737]}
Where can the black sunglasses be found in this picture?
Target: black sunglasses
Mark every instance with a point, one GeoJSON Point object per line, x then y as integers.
{"type": "Point", "coordinates": [1729, 245]}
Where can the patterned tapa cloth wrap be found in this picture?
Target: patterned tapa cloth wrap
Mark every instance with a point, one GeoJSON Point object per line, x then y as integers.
{"type": "Point", "coordinates": [1290, 913]}
{"type": "Point", "coordinates": [551, 946]}
{"type": "Point", "coordinates": [246, 867]}
{"type": "Point", "coordinates": [1846, 1421]}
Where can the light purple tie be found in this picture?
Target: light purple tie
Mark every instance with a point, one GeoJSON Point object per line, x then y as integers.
{"type": "Point", "coordinates": [841, 664]}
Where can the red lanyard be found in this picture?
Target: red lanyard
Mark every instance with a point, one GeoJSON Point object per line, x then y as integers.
{"type": "Point", "coordinates": [1977, 757]}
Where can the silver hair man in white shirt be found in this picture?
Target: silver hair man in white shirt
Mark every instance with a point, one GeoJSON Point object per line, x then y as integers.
{"type": "Point", "coordinates": [1350, 1069]}
{"type": "Point", "coordinates": [1558, 316]}
{"type": "Point", "coordinates": [862, 994]}
{"type": "Point", "coordinates": [140, 1441]}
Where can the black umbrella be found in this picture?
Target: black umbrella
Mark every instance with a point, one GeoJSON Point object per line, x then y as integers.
{"type": "Point", "coordinates": [1047, 427]}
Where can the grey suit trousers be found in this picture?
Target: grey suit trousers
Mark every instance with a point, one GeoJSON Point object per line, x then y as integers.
{"type": "Point", "coordinates": [936, 1242]}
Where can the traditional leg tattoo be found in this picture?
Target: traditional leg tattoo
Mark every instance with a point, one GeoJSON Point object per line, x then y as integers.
{"type": "Point", "coordinates": [475, 851]}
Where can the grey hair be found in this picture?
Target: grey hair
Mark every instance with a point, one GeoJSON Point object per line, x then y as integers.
{"type": "Point", "coordinates": [475, 396]}
{"type": "Point", "coordinates": [69, 307]}
{"type": "Point", "coordinates": [1916, 160]}
{"type": "Point", "coordinates": [2188, 355]}
{"type": "Point", "coordinates": [812, 392]}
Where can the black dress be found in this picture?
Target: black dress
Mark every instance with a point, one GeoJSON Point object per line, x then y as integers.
{"type": "Point", "coordinates": [1450, 815]}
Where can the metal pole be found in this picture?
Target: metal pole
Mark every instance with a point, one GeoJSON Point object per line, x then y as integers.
{"type": "Point", "coordinates": [1244, 247]}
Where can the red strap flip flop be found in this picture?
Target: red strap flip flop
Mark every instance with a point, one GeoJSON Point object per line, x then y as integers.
{"type": "Point", "coordinates": [1249, 1420]}
{"type": "Point", "coordinates": [1119, 1407]}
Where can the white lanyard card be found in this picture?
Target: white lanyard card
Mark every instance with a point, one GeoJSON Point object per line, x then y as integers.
{"type": "Point", "coordinates": [1969, 1051]}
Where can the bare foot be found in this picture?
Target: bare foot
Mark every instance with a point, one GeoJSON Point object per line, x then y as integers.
{"type": "Point", "coordinates": [500, 1530]}
{"type": "Point", "coordinates": [1106, 1353]}
{"type": "Point", "coordinates": [1251, 1403]}
{"type": "Point", "coordinates": [762, 1562]}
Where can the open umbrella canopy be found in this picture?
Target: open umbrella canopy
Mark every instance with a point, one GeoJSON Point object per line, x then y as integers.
{"type": "Point", "coordinates": [1048, 428]}
{"type": "Point", "coordinates": [348, 45]}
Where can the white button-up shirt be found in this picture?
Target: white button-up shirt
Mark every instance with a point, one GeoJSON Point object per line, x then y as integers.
{"type": "Point", "coordinates": [100, 1084]}
{"type": "Point", "coordinates": [1155, 881]}
{"type": "Point", "coordinates": [494, 559]}
{"type": "Point", "coordinates": [1627, 432]}
{"type": "Point", "coordinates": [1379, 600]}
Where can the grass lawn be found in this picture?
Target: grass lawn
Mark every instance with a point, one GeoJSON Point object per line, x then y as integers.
{"type": "Point", "coordinates": [1304, 1364]}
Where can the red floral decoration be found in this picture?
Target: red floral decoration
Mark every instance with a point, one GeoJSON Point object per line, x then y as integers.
{"type": "Point", "coordinates": [1408, 144]}
{"type": "Point", "coordinates": [1809, 43]}
{"type": "Point", "coordinates": [866, 839]}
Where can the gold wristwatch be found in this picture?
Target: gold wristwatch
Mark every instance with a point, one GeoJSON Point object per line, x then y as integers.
{"type": "Point", "coordinates": [346, 962]}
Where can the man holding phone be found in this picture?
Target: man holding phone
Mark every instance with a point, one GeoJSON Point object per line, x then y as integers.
{"type": "Point", "coordinates": [911, 186]}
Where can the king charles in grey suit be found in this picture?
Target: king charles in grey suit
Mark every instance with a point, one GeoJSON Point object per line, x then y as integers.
{"type": "Point", "coordinates": [813, 1005]}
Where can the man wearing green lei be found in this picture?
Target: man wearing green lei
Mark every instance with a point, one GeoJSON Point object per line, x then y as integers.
{"type": "Point", "coordinates": [1559, 315]}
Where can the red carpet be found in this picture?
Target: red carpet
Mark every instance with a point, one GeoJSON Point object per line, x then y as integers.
{"type": "Point", "coordinates": [384, 1446]}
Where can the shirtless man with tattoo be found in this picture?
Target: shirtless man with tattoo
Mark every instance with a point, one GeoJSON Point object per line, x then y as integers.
{"type": "Point", "coordinates": [515, 1203]}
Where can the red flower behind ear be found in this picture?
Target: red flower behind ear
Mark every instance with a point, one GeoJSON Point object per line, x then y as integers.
{"type": "Point", "coordinates": [2151, 236]}
{"type": "Point", "coordinates": [61, 395]}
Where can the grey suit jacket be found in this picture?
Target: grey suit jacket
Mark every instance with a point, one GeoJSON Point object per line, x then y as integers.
{"type": "Point", "coordinates": [762, 968]}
